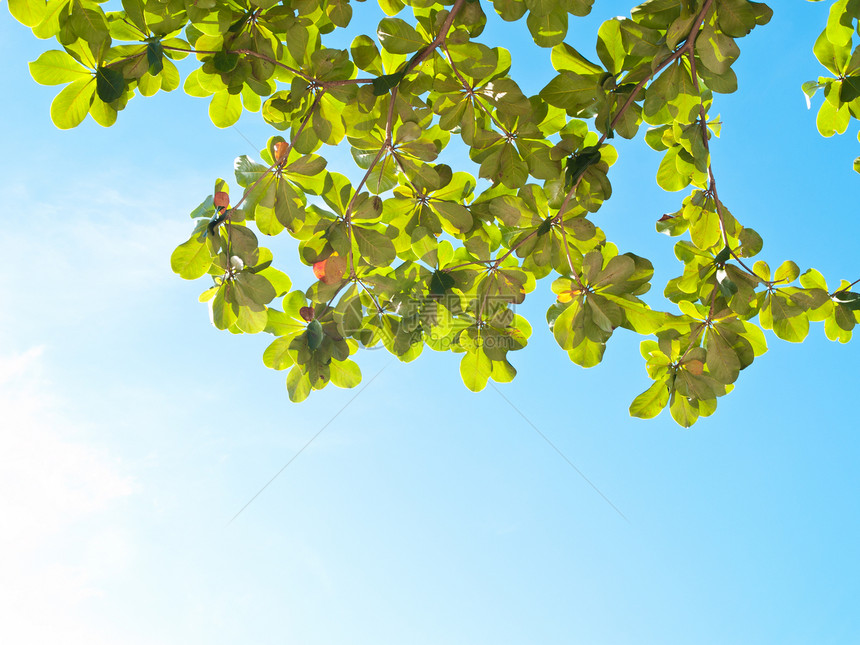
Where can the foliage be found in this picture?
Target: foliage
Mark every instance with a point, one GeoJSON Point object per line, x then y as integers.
{"type": "Point", "coordinates": [419, 254]}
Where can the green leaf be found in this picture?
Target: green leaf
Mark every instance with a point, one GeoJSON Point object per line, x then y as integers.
{"type": "Point", "coordinates": [610, 47]}
{"type": "Point", "coordinates": [191, 259]}
{"type": "Point", "coordinates": [71, 105]}
{"type": "Point", "coordinates": [440, 282]}
{"type": "Point", "coordinates": [475, 369]}
{"type": "Point", "coordinates": [225, 109]}
{"type": "Point", "coordinates": [668, 177]}
{"type": "Point", "coordinates": [298, 385]}
{"type": "Point", "coordinates": [225, 62]}
{"type": "Point", "coordinates": [277, 355]}
{"type": "Point", "coordinates": [455, 214]}
{"type": "Point", "coordinates": [28, 12]}
{"type": "Point", "coordinates": [716, 50]}
{"type": "Point", "coordinates": [56, 67]}
{"type": "Point", "coordinates": [809, 88]}
{"type": "Point", "coordinates": [850, 89]}
{"type": "Point", "coordinates": [652, 401]}
{"type": "Point", "coordinates": [255, 288]}
{"type": "Point", "coordinates": [794, 329]}
{"type": "Point", "coordinates": [102, 113]}
{"type": "Point", "coordinates": [279, 280]}
{"type": "Point", "coordinates": [315, 335]}
{"type": "Point", "coordinates": [155, 56]}
{"type": "Point", "coordinates": [736, 17]}
{"type": "Point", "coordinates": [787, 320]}
{"type": "Point", "coordinates": [848, 299]}
{"type": "Point", "coordinates": [578, 163]}
{"type": "Point", "coordinates": [345, 374]}
{"type": "Point", "coordinates": [684, 410]}
{"type": "Point", "coordinates": [570, 92]}
{"type": "Point", "coordinates": [567, 328]}
{"type": "Point", "coordinates": [751, 243]}
{"type": "Point", "coordinates": [307, 165]}
{"type": "Point", "coordinates": [222, 312]}
{"type": "Point", "coordinates": [840, 25]}
{"type": "Point", "coordinates": [723, 256]}
{"type": "Point", "coordinates": [365, 55]}
{"type": "Point", "coordinates": [399, 37]}
{"type": "Point", "coordinates": [110, 84]}
{"type": "Point", "coordinates": [787, 272]}
{"type": "Point", "coordinates": [832, 120]}
{"type": "Point", "coordinates": [834, 58]}
{"type": "Point", "coordinates": [373, 246]}
{"type": "Point", "coordinates": [339, 12]}
{"type": "Point", "coordinates": [565, 57]}
{"type": "Point", "coordinates": [548, 29]}
{"type": "Point", "coordinates": [50, 24]}
{"type": "Point", "coordinates": [328, 122]}
{"type": "Point", "coordinates": [812, 279]}
{"type": "Point", "coordinates": [763, 13]}
{"type": "Point", "coordinates": [391, 7]}
{"type": "Point", "coordinates": [722, 361]}
{"type": "Point", "coordinates": [387, 82]}
{"type": "Point", "coordinates": [251, 319]}
{"type": "Point", "coordinates": [588, 353]}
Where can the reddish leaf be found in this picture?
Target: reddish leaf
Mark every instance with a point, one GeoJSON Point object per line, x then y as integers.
{"type": "Point", "coordinates": [330, 270]}
{"type": "Point", "coordinates": [695, 367]}
{"type": "Point", "coordinates": [319, 269]}
{"type": "Point", "coordinates": [307, 313]}
{"type": "Point", "coordinates": [221, 200]}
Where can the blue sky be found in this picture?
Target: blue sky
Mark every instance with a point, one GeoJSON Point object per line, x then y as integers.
{"type": "Point", "coordinates": [132, 431]}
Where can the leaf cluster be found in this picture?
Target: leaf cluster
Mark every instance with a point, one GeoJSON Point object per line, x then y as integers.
{"type": "Point", "coordinates": [421, 255]}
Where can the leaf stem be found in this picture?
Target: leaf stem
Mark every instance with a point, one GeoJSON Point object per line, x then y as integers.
{"type": "Point", "coordinates": [439, 39]}
{"type": "Point", "coordinates": [689, 44]}
{"type": "Point", "coordinates": [472, 95]}
{"type": "Point", "coordinates": [386, 145]}
{"type": "Point", "coordinates": [251, 52]}
{"type": "Point", "coordinates": [850, 285]}
{"type": "Point", "coordinates": [379, 309]}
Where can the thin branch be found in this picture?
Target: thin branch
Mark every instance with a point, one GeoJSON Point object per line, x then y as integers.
{"type": "Point", "coordinates": [567, 251]}
{"type": "Point", "coordinates": [379, 309]}
{"type": "Point", "coordinates": [688, 46]}
{"type": "Point", "coordinates": [693, 341]}
{"type": "Point", "coordinates": [345, 81]}
{"type": "Point", "coordinates": [439, 39]}
{"type": "Point", "coordinates": [269, 59]}
{"type": "Point", "coordinates": [479, 321]}
{"type": "Point", "coordinates": [463, 81]}
{"type": "Point", "coordinates": [703, 125]}
{"type": "Point", "coordinates": [121, 61]}
{"type": "Point", "coordinates": [472, 95]}
{"type": "Point", "coordinates": [467, 264]}
{"type": "Point", "coordinates": [849, 286]}
{"type": "Point", "coordinates": [400, 167]}
{"type": "Point", "coordinates": [389, 125]}
{"type": "Point", "coordinates": [386, 146]}
{"type": "Point", "coordinates": [247, 52]}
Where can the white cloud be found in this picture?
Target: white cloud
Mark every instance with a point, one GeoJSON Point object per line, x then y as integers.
{"type": "Point", "coordinates": [87, 249]}
{"type": "Point", "coordinates": [56, 547]}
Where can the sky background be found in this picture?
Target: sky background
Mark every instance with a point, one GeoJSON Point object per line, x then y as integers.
{"type": "Point", "coordinates": [132, 431]}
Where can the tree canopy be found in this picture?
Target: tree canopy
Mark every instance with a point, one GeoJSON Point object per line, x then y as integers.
{"type": "Point", "coordinates": [421, 254]}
